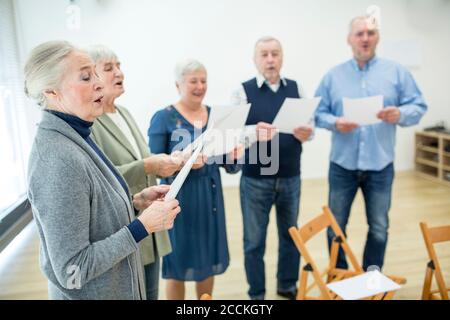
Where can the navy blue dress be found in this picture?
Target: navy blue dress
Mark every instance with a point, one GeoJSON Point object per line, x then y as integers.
{"type": "Point", "coordinates": [198, 237]}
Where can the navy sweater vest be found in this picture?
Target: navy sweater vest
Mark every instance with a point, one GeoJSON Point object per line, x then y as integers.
{"type": "Point", "coordinates": [265, 105]}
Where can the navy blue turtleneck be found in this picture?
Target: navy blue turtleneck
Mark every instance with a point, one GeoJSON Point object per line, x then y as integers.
{"type": "Point", "coordinates": [83, 128]}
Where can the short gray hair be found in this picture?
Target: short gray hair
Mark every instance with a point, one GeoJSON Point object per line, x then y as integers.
{"type": "Point", "coordinates": [100, 52]}
{"type": "Point", "coordinates": [267, 39]}
{"type": "Point", "coordinates": [44, 68]}
{"type": "Point", "coordinates": [358, 18]}
{"type": "Point", "coordinates": [187, 66]}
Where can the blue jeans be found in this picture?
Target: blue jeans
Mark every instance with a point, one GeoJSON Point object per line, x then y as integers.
{"type": "Point", "coordinates": [152, 279]}
{"type": "Point", "coordinates": [257, 198]}
{"type": "Point", "coordinates": [376, 187]}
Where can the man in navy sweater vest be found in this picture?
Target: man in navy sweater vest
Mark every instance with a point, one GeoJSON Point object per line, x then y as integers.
{"type": "Point", "coordinates": [271, 173]}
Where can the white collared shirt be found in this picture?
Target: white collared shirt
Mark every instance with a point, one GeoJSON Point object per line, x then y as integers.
{"type": "Point", "coordinates": [120, 122]}
{"type": "Point", "coordinates": [240, 97]}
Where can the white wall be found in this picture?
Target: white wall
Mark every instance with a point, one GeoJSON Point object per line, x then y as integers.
{"type": "Point", "coordinates": [151, 36]}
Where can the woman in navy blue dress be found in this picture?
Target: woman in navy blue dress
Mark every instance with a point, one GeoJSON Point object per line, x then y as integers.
{"type": "Point", "coordinates": [199, 240]}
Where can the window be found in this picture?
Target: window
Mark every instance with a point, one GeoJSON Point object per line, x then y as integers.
{"type": "Point", "coordinates": [14, 138]}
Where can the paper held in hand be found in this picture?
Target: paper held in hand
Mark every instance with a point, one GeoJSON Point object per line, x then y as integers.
{"type": "Point", "coordinates": [224, 131]}
{"type": "Point", "coordinates": [295, 113]}
{"type": "Point", "coordinates": [181, 176]}
{"type": "Point", "coordinates": [362, 111]}
{"type": "Point", "coordinates": [226, 128]}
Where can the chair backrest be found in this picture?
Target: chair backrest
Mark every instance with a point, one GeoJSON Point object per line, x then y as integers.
{"type": "Point", "coordinates": [432, 236]}
{"type": "Point", "coordinates": [302, 235]}
{"type": "Point", "coordinates": [315, 226]}
{"type": "Point", "coordinates": [321, 222]}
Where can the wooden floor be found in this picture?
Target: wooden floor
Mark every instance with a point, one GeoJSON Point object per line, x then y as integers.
{"type": "Point", "coordinates": [414, 200]}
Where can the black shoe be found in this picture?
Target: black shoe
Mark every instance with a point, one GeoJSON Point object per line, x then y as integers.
{"type": "Point", "coordinates": [290, 295]}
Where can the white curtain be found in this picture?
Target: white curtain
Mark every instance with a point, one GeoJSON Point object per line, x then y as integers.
{"type": "Point", "coordinates": [14, 141]}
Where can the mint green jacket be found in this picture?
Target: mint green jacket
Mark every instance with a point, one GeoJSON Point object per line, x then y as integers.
{"type": "Point", "coordinates": [110, 139]}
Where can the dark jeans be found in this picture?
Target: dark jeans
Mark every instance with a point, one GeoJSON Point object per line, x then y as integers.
{"type": "Point", "coordinates": [257, 198]}
{"type": "Point", "coordinates": [376, 187]}
{"type": "Point", "coordinates": [152, 279]}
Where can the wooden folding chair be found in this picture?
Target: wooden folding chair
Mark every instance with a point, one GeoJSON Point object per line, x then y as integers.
{"type": "Point", "coordinates": [432, 236]}
{"type": "Point", "coordinates": [302, 235]}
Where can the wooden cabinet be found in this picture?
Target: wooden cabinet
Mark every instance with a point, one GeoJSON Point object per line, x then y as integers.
{"type": "Point", "coordinates": [432, 156]}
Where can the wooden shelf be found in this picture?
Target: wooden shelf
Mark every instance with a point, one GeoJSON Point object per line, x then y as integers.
{"type": "Point", "coordinates": [428, 149]}
{"type": "Point", "coordinates": [430, 134]}
{"type": "Point", "coordinates": [431, 159]}
{"type": "Point", "coordinates": [427, 162]}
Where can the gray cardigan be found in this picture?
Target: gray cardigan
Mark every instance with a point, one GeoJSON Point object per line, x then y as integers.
{"type": "Point", "coordinates": [81, 212]}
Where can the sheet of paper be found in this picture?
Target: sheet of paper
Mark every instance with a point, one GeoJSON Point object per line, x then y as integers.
{"type": "Point", "coordinates": [221, 142]}
{"type": "Point", "coordinates": [235, 119]}
{"type": "Point", "coordinates": [295, 113]}
{"type": "Point", "coordinates": [224, 133]}
{"type": "Point", "coordinates": [363, 111]}
{"type": "Point", "coordinates": [363, 286]}
{"type": "Point", "coordinates": [248, 136]}
{"type": "Point", "coordinates": [181, 176]}
{"type": "Point", "coordinates": [218, 113]}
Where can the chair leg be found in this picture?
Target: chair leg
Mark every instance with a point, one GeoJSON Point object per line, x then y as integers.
{"type": "Point", "coordinates": [302, 289]}
{"type": "Point", "coordinates": [333, 258]}
{"type": "Point", "coordinates": [427, 284]}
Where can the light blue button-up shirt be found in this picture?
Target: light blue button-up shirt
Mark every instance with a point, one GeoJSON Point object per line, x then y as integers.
{"type": "Point", "coordinates": [368, 147]}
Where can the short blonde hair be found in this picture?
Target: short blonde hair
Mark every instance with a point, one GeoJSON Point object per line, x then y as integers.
{"type": "Point", "coordinates": [187, 66]}
{"type": "Point", "coordinates": [44, 68]}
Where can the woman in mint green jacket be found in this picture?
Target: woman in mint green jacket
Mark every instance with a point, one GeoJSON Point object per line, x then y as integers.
{"type": "Point", "coordinates": [118, 136]}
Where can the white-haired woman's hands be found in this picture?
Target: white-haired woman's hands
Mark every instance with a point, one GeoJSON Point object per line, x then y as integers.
{"type": "Point", "coordinates": [146, 197]}
{"type": "Point", "coordinates": [187, 153]}
{"type": "Point", "coordinates": [200, 161]}
{"type": "Point", "coordinates": [162, 164]}
{"type": "Point", "coordinates": [160, 215]}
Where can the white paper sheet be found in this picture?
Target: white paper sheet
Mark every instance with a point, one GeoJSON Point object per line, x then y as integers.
{"type": "Point", "coordinates": [248, 136]}
{"type": "Point", "coordinates": [363, 286]}
{"type": "Point", "coordinates": [181, 176]}
{"type": "Point", "coordinates": [219, 113]}
{"type": "Point", "coordinates": [363, 111]}
{"type": "Point", "coordinates": [224, 133]}
{"type": "Point", "coordinates": [295, 113]}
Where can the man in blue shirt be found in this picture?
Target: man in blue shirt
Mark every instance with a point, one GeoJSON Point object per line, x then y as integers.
{"type": "Point", "coordinates": [271, 173]}
{"type": "Point", "coordinates": [363, 156]}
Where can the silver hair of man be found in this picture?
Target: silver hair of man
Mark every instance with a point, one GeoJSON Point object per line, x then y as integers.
{"type": "Point", "coordinates": [359, 18]}
{"type": "Point", "coordinates": [100, 52]}
{"type": "Point", "coordinates": [267, 39]}
{"type": "Point", "coordinates": [45, 68]}
{"type": "Point", "coordinates": [187, 66]}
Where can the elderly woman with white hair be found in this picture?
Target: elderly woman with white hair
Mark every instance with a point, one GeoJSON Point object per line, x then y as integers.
{"type": "Point", "coordinates": [199, 240]}
{"type": "Point", "coordinates": [81, 203]}
{"type": "Point", "coordinates": [118, 136]}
